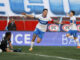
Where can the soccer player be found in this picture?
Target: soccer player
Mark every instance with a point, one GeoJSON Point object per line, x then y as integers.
{"type": "Point", "coordinates": [6, 45]}
{"type": "Point", "coordinates": [41, 26]}
{"type": "Point", "coordinates": [72, 33]}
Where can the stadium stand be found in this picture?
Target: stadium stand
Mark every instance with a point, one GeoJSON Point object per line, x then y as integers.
{"type": "Point", "coordinates": [27, 24]}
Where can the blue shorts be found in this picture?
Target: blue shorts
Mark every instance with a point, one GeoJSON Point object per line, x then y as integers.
{"type": "Point", "coordinates": [73, 32]}
{"type": "Point", "coordinates": [39, 33]}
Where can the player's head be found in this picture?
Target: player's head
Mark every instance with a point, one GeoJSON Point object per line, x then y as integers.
{"type": "Point", "coordinates": [72, 13]}
{"type": "Point", "coordinates": [45, 11]}
{"type": "Point", "coordinates": [12, 20]}
{"type": "Point", "coordinates": [8, 35]}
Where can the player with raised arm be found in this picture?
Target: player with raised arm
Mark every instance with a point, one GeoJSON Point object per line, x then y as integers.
{"type": "Point", "coordinates": [72, 33]}
{"type": "Point", "coordinates": [41, 26]}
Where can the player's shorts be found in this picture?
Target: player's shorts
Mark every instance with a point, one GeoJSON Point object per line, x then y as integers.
{"type": "Point", "coordinates": [39, 33]}
{"type": "Point", "coordinates": [73, 32]}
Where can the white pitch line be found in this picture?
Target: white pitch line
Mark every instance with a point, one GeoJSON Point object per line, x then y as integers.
{"type": "Point", "coordinates": [58, 57]}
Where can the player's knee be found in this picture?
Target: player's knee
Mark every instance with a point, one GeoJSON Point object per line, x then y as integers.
{"type": "Point", "coordinates": [75, 38]}
{"type": "Point", "coordinates": [38, 41]}
{"type": "Point", "coordinates": [67, 35]}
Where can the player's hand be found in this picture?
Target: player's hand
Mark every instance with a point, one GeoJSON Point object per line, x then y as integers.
{"type": "Point", "coordinates": [67, 14]}
{"type": "Point", "coordinates": [60, 23]}
{"type": "Point", "coordinates": [11, 50]}
{"type": "Point", "coordinates": [23, 13]}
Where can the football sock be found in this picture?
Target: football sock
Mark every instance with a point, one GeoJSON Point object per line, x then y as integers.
{"type": "Point", "coordinates": [77, 41]}
{"type": "Point", "coordinates": [71, 37]}
{"type": "Point", "coordinates": [32, 44]}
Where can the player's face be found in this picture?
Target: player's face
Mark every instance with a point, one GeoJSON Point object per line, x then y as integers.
{"type": "Point", "coordinates": [12, 20]}
{"type": "Point", "coordinates": [9, 36]}
{"type": "Point", "coordinates": [45, 13]}
{"type": "Point", "coordinates": [71, 14]}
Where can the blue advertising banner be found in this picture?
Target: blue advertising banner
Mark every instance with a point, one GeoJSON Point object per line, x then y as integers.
{"type": "Point", "coordinates": [23, 38]}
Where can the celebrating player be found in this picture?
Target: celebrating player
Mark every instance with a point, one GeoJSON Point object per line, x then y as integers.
{"type": "Point", "coordinates": [72, 33]}
{"type": "Point", "coordinates": [41, 26]}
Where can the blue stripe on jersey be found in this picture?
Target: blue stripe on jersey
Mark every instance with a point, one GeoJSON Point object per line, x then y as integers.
{"type": "Point", "coordinates": [71, 21]}
{"type": "Point", "coordinates": [43, 22]}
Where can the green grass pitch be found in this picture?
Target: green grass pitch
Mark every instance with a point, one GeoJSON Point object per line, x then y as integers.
{"type": "Point", "coordinates": [43, 53]}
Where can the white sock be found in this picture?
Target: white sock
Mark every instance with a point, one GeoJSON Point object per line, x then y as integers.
{"type": "Point", "coordinates": [71, 37]}
{"type": "Point", "coordinates": [32, 44]}
{"type": "Point", "coordinates": [77, 41]}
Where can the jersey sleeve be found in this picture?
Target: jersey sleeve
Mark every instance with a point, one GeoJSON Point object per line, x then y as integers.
{"type": "Point", "coordinates": [50, 19]}
{"type": "Point", "coordinates": [37, 16]}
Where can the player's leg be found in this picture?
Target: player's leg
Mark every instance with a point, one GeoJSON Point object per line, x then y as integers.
{"type": "Point", "coordinates": [38, 40]}
{"type": "Point", "coordinates": [76, 39]}
{"type": "Point", "coordinates": [32, 42]}
{"type": "Point", "coordinates": [33, 39]}
{"type": "Point", "coordinates": [69, 34]}
{"type": "Point", "coordinates": [40, 36]}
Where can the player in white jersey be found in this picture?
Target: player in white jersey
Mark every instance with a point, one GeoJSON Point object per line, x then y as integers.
{"type": "Point", "coordinates": [72, 33]}
{"type": "Point", "coordinates": [41, 26]}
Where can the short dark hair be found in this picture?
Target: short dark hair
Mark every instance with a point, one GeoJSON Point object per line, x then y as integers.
{"type": "Point", "coordinates": [73, 12]}
{"type": "Point", "coordinates": [7, 34]}
{"type": "Point", "coordinates": [45, 9]}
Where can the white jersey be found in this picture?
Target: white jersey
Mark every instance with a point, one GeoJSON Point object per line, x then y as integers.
{"type": "Point", "coordinates": [42, 25]}
{"type": "Point", "coordinates": [73, 26]}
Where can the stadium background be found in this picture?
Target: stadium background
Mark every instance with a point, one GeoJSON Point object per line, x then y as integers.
{"type": "Point", "coordinates": [26, 26]}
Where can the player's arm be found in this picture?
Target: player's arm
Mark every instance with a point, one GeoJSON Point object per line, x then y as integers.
{"type": "Point", "coordinates": [68, 14]}
{"type": "Point", "coordinates": [53, 21]}
{"type": "Point", "coordinates": [56, 22]}
{"type": "Point", "coordinates": [29, 16]}
{"type": "Point", "coordinates": [10, 45]}
{"type": "Point", "coordinates": [8, 50]}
